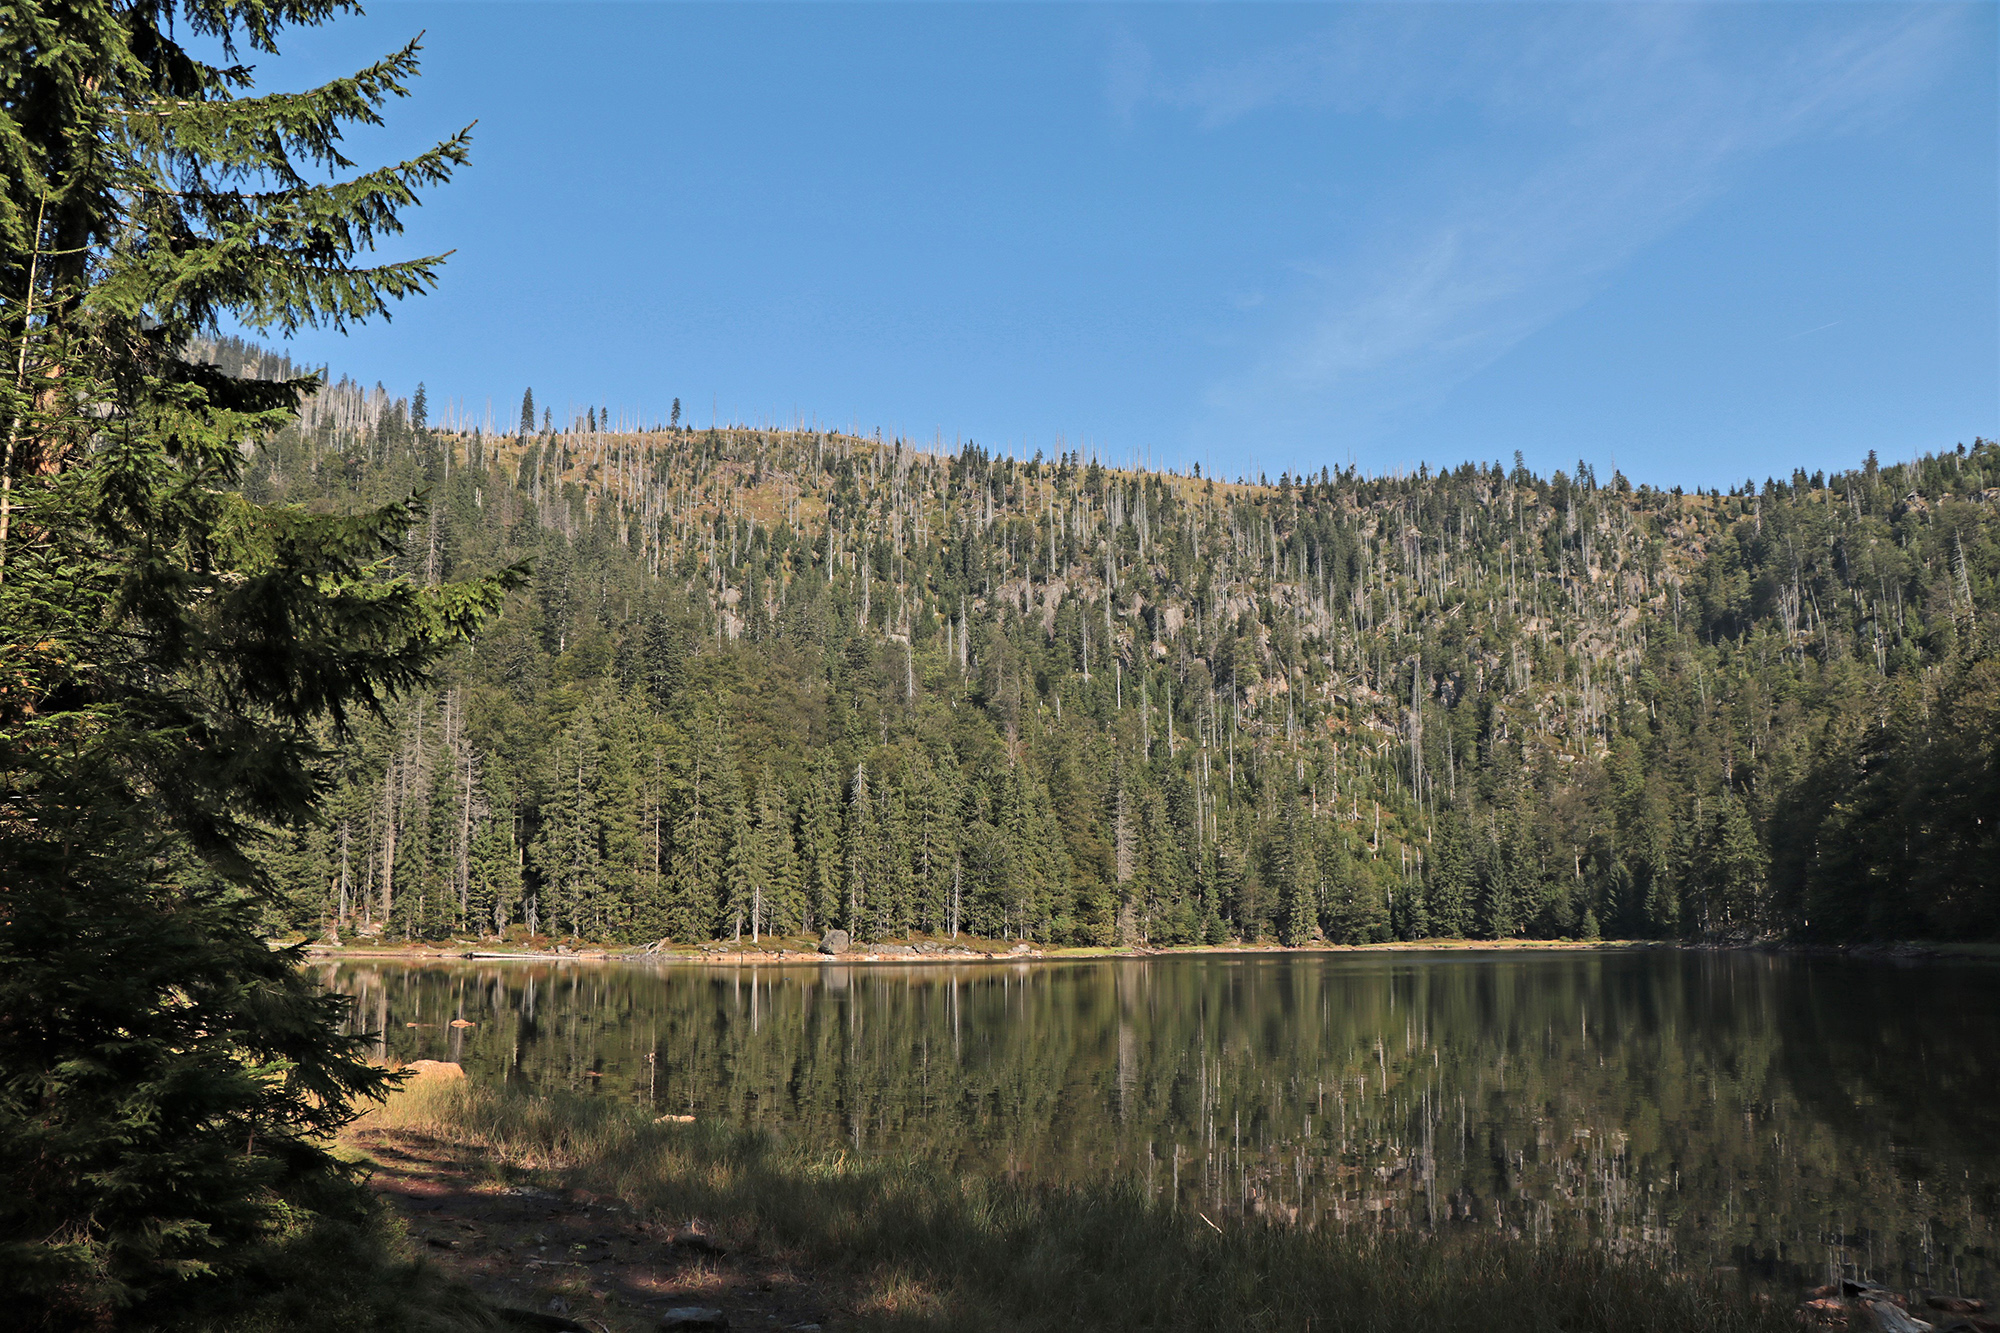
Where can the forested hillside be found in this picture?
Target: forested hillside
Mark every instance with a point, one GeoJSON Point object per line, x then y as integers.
{"type": "Point", "coordinates": [767, 682]}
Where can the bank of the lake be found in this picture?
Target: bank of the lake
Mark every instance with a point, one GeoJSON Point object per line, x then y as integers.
{"type": "Point", "coordinates": [915, 949]}
{"type": "Point", "coordinates": [614, 1216]}
{"type": "Point", "coordinates": [806, 952]}
{"type": "Point", "coordinates": [1791, 1118]}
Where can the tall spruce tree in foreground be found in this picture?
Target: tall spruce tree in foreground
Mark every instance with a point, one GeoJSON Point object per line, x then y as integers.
{"type": "Point", "coordinates": [173, 656]}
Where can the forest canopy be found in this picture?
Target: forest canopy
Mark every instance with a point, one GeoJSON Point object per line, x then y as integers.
{"type": "Point", "coordinates": [775, 681]}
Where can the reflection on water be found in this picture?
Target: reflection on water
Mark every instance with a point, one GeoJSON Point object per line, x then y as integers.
{"type": "Point", "coordinates": [1782, 1116]}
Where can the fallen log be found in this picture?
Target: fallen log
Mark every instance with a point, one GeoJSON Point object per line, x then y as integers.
{"type": "Point", "coordinates": [1954, 1304]}
{"type": "Point", "coordinates": [1890, 1318]}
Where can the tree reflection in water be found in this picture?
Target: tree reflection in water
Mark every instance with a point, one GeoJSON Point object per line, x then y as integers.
{"type": "Point", "coordinates": [1783, 1115]}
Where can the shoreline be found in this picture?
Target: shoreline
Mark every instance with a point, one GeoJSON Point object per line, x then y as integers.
{"type": "Point", "coordinates": [628, 1222]}
{"type": "Point", "coordinates": [983, 952]}
{"type": "Point", "coordinates": [950, 952]}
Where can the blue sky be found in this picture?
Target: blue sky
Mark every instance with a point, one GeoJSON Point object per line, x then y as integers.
{"type": "Point", "coordinates": [1703, 242]}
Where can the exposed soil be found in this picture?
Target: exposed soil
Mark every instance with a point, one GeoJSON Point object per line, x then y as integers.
{"type": "Point", "coordinates": [568, 1253]}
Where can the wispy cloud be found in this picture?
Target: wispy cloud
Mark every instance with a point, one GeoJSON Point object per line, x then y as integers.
{"type": "Point", "coordinates": [1620, 123]}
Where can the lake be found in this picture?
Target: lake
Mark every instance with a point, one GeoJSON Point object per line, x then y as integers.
{"type": "Point", "coordinates": [1783, 1117]}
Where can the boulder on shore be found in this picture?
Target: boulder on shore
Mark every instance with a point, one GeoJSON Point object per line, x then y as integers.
{"type": "Point", "coordinates": [420, 1070]}
{"type": "Point", "coordinates": [834, 943]}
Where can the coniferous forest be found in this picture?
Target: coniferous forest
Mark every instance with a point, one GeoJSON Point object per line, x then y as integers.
{"type": "Point", "coordinates": [770, 681]}
{"type": "Point", "coordinates": [291, 659]}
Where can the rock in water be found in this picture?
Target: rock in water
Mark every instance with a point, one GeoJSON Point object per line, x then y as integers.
{"type": "Point", "coordinates": [693, 1317]}
{"type": "Point", "coordinates": [834, 942]}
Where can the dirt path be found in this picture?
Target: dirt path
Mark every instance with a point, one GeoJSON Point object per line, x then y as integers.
{"type": "Point", "coordinates": [590, 1262]}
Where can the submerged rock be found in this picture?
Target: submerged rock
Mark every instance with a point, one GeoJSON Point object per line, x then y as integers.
{"type": "Point", "coordinates": [693, 1317]}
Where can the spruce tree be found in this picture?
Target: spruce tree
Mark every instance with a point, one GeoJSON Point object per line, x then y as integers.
{"type": "Point", "coordinates": [705, 876]}
{"type": "Point", "coordinates": [1232, 872]}
{"type": "Point", "coordinates": [1024, 887]}
{"type": "Point", "coordinates": [566, 854]}
{"type": "Point", "coordinates": [819, 845]}
{"type": "Point", "coordinates": [734, 825]}
{"type": "Point", "coordinates": [1341, 876]}
{"type": "Point", "coordinates": [1450, 877]}
{"type": "Point", "coordinates": [772, 864]}
{"type": "Point", "coordinates": [1298, 875]}
{"type": "Point", "coordinates": [930, 842]}
{"type": "Point", "coordinates": [1500, 899]}
{"type": "Point", "coordinates": [175, 654]}
{"type": "Point", "coordinates": [1170, 915]}
{"type": "Point", "coordinates": [947, 843]}
{"type": "Point", "coordinates": [895, 885]}
{"type": "Point", "coordinates": [1734, 864]}
{"type": "Point", "coordinates": [858, 853]}
{"type": "Point", "coordinates": [494, 868]}
{"type": "Point", "coordinates": [617, 816]}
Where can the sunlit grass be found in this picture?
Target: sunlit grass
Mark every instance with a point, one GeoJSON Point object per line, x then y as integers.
{"type": "Point", "coordinates": [928, 1247]}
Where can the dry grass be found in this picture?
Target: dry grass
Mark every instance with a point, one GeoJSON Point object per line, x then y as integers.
{"type": "Point", "coordinates": [924, 1247]}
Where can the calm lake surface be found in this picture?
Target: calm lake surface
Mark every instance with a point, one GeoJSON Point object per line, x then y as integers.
{"type": "Point", "coordinates": [1783, 1117]}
